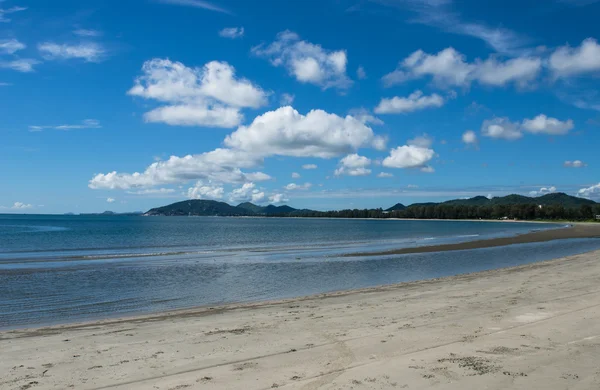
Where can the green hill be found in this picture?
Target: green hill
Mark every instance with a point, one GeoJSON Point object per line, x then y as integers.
{"type": "Point", "coordinates": [200, 208]}
{"type": "Point", "coordinates": [564, 200]}
{"type": "Point", "coordinates": [476, 201]}
{"type": "Point", "coordinates": [397, 206]}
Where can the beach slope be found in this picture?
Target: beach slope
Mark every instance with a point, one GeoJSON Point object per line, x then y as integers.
{"type": "Point", "coordinates": [531, 327]}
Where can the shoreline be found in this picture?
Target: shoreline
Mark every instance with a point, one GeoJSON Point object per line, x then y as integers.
{"type": "Point", "coordinates": [530, 326]}
{"type": "Point", "coordinates": [576, 230]}
{"type": "Point", "coordinates": [208, 310]}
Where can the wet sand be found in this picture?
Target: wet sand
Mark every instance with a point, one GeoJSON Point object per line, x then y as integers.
{"type": "Point", "coordinates": [578, 230]}
{"type": "Point", "coordinates": [535, 326]}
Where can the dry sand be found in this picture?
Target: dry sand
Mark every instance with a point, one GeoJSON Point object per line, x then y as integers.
{"type": "Point", "coordinates": [530, 327]}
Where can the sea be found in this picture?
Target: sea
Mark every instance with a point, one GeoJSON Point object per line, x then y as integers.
{"type": "Point", "coordinates": [58, 269]}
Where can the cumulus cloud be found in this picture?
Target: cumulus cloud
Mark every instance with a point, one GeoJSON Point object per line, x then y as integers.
{"type": "Point", "coordinates": [422, 141]}
{"type": "Point", "coordinates": [24, 65]}
{"type": "Point", "coordinates": [286, 132]}
{"type": "Point", "coordinates": [10, 46]}
{"type": "Point", "coordinates": [543, 191]}
{"type": "Point", "coordinates": [409, 156]}
{"type": "Point", "coordinates": [210, 96]}
{"type": "Point", "coordinates": [384, 175]}
{"type": "Point", "coordinates": [353, 165]}
{"type": "Point", "coordinates": [219, 165]}
{"type": "Point", "coordinates": [505, 129]}
{"type": "Point", "coordinates": [572, 61]}
{"type": "Point", "coordinates": [294, 186]}
{"type": "Point", "coordinates": [590, 192]}
{"type": "Point", "coordinates": [278, 198]}
{"type": "Point", "coordinates": [363, 115]}
{"type": "Point", "coordinates": [110, 200]}
{"type": "Point", "coordinates": [247, 193]}
{"type": "Point", "coordinates": [307, 62]}
{"type": "Point", "coordinates": [87, 51]}
{"type": "Point", "coordinates": [309, 166]}
{"type": "Point", "coordinates": [450, 68]}
{"type": "Point", "coordinates": [575, 164]}
{"type": "Point", "coordinates": [19, 206]}
{"type": "Point", "coordinates": [232, 32]}
{"type": "Point", "coordinates": [542, 124]}
{"type": "Point", "coordinates": [85, 124]}
{"type": "Point", "coordinates": [501, 128]}
{"type": "Point", "coordinates": [205, 191]}
{"type": "Point", "coordinates": [295, 175]}
{"type": "Point", "coordinates": [469, 137]}
{"type": "Point", "coordinates": [414, 102]}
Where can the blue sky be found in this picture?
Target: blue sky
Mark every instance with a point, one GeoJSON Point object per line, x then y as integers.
{"type": "Point", "coordinates": [322, 104]}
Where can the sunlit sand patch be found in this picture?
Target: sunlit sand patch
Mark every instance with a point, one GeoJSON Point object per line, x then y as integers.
{"type": "Point", "coordinates": [532, 317]}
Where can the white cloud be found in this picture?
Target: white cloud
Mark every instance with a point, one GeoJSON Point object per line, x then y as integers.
{"type": "Point", "coordinates": [469, 137]}
{"type": "Point", "coordinates": [414, 102]}
{"type": "Point", "coordinates": [24, 65]}
{"type": "Point", "coordinates": [278, 198]}
{"type": "Point", "coordinates": [384, 175]}
{"type": "Point", "coordinates": [294, 186]}
{"type": "Point", "coordinates": [257, 176]}
{"type": "Point", "coordinates": [295, 175]}
{"type": "Point", "coordinates": [501, 128]}
{"type": "Point", "coordinates": [232, 32]}
{"type": "Point", "coordinates": [363, 115]}
{"type": "Point", "coordinates": [353, 165]}
{"type": "Point", "coordinates": [85, 124]}
{"type": "Point", "coordinates": [209, 96]}
{"type": "Point", "coordinates": [450, 68]}
{"type": "Point", "coordinates": [83, 32]}
{"type": "Point", "coordinates": [21, 206]}
{"type": "Point", "coordinates": [568, 61]}
{"type": "Point", "coordinates": [220, 166]}
{"type": "Point", "coordinates": [543, 191]}
{"type": "Point", "coordinates": [542, 124]}
{"type": "Point", "coordinates": [8, 11]}
{"type": "Point", "coordinates": [202, 4]}
{"type": "Point", "coordinates": [286, 132]}
{"type": "Point", "coordinates": [309, 166]}
{"type": "Point", "coordinates": [360, 73]}
{"type": "Point", "coordinates": [247, 193]}
{"type": "Point", "coordinates": [10, 46]}
{"type": "Point", "coordinates": [575, 164]}
{"type": "Point", "coordinates": [153, 191]}
{"type": "Point", "coordinates": [205, 191]}
{"type": "Point", "coordinates": [427, 169]}
{"type": "Point", "coordinates": [408, 156]}
{"type": "Point", "coordinates": [422, 141]}
{"type": "Point", "coordinates": [307, 62]}
{"type": "Point", "coordinates": [88, 51]}
{"type": "Point", "coordinates": [110, 200]}
{"type": "Point", "coordinates": [590, 192]}
{"type": "Point", "coordinates": [286, 99]}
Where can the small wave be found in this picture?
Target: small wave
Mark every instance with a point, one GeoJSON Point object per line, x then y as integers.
{"type": "Point", "coordinates": [468, 235]}
{"type": "Point", "coordinates": [20, 229]}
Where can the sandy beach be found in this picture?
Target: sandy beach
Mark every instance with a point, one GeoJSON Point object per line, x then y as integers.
{"type": "Point", "coordinates": [529, 327]}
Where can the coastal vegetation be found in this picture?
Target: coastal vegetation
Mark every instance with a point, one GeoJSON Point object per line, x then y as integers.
{"type": "Point", "coordinates": [556, 206]}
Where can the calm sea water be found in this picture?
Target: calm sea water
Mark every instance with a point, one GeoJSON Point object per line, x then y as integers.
{"type": "Point", "coordinates": [60, 269]}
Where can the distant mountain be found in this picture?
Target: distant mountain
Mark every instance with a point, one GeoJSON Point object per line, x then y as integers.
{"type": "Point", "coordinates": [198, 207]}
{"type": "Point", "coordinates": [557, 198]}
{"type": "Point", "coordinates": [396, 207]}
{"type": "Point", "coordinates": [476, 201]}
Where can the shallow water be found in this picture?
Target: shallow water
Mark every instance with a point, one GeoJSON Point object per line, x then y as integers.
{"type": "Point", "coordinates": [60, 269]}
